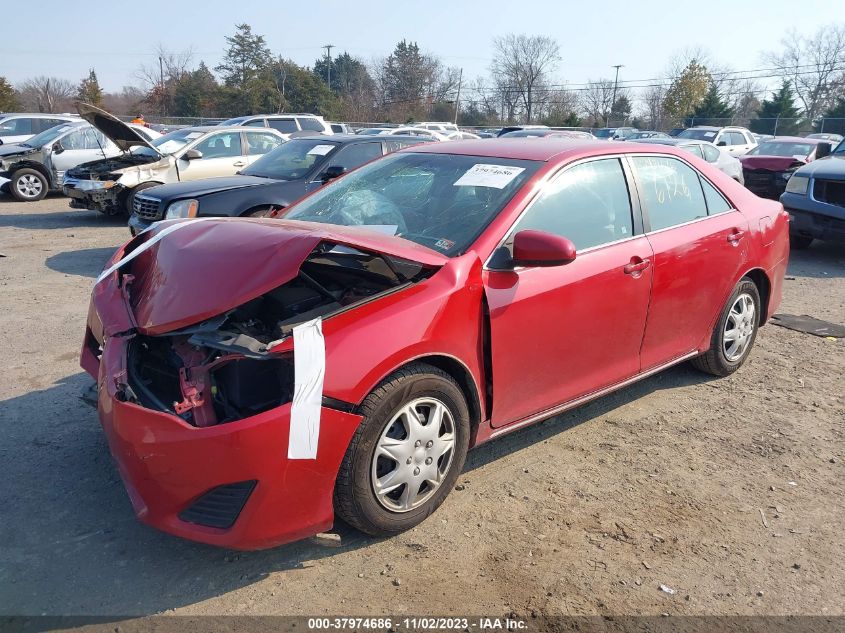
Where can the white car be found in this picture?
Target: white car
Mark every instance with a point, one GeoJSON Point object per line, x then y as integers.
{"type": "Point", "coordinates": [109, 185]}
{"type": "Point", "coordinates": [36, 166]}
{"type": "Point", "coordinates": [420, 132]}
{"type": "Point", "coordinates": [721, 159]}
{"type": "Point", "coordinates": [20, 126]}
{"type": "Point", "coordinates": [736, 141]}
{"type": "Point", "coordinates": [299, 124]}
{"type": "Point", "coordinates": [437, 126]}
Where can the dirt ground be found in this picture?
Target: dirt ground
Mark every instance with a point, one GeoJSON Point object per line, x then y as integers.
{"type": "Point", "coordinates": [727, 491]}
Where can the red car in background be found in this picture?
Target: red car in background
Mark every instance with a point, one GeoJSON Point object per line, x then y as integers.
{"type": "Point", "coordinates": [257, 377]}
{"type": "Point", "coordinates": [768, 167]}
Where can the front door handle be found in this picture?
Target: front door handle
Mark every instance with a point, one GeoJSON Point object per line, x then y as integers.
{"type": "Point", "coordinates": [637, 266]}
{"type": "Point", "coordinates": [240, 163]}
{"type": "Point", "coordinates": [735, 236]}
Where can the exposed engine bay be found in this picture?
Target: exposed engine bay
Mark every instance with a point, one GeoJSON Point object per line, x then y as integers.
{"type": "Point", "coordinates": [101, 169]}
{"type": "Point", "coordinates": [224, 369]}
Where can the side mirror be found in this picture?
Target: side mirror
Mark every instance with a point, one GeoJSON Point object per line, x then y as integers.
{"type": "Point", "coordinates": [722, 144]}
{"type": "Point", "coordinates": [823, 149]}
{"type": "Point", "coordinates": [538, 248]}
{"type": "Point", "coordinates": [192, 154]}
{"type": "Point", "coordinates": [332, 172]}
{"type": "Point", "coordinates": [58, 148]}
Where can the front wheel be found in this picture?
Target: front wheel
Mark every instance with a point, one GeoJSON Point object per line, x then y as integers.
{"type": "Point", "coordinates": [407, 453]}
{"type": "Point", "coordinates": [735, 332]}
{"type": "Point", "coordinates": [29, 185]}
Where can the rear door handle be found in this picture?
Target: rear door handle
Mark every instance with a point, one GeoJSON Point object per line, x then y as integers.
{"type": "Point", "coordinates": [636, 266]}
{"type": "Point", "coordinates": [240, 163]}
{"type": "Point", "coordinates": [735, 236]}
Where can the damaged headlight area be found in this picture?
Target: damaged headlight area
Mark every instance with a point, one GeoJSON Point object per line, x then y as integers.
{"type": "Point", "coordinates": [224, 369]}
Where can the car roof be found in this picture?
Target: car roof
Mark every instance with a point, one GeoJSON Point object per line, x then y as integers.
{"type": "Point", "coordinates": [527, 149]}
{"type": "Point", "coordinates": [355, 138]}
{"type": "Point", "coordinates": [793, 139]}
{"type": "Point", "coordinates": [41, 115]}
{"type": "Point", "coordinates": [223, 128]}
{"type": "Point", "coordinates": [662, 140]}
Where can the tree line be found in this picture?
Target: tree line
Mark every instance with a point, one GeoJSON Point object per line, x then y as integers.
{"type": "Point", "coordinates": [410, 84]}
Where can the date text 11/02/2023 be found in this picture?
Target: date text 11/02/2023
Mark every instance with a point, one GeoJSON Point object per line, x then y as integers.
{"type": "Point", "coordinates": [417, 624]}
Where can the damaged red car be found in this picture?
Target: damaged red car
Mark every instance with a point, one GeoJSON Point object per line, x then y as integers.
{"type": "Point", "coordinates": [259, 377]}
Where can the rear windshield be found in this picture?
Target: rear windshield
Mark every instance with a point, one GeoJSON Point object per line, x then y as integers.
{"type": "Point", "coordinates": [699, 135]}
{"type": "Point", "coordinates": [783, 148]}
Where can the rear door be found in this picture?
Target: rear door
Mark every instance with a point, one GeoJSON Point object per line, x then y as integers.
{"type": "Point", "coordinates": [700, 243]}
{"type": "Point", "coordinates": [562, 332]}
{"type": "Point", "coordinates": [258, 143]}
{"type": "Point", "coordinates": [222, 155]}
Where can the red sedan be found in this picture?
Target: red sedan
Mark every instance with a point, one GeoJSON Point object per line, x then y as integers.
{"type": "Point", "coordinates": [258, 377]}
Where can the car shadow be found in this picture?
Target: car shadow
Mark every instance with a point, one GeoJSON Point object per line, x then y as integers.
{"type": "Point", "coordinates": [822, 260]}
{"type": "Point", "coordinates": [682, 375]}
{"type": "Point", "coordinates": [70, 543]}
{"type": "Point", "coordinates": [65, 218]}
{"type": "Point", "coordinates": [85, 262]}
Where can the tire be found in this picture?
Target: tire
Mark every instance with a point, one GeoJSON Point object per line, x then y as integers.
{"type": "Point", "coordinates": [28, 185]}
{"type": "Point", "coordinates": [726, 355]}
{"type": "Point", "coordinates": [386, 421]}
{"type": "Point", "coordinates": [799, 242]}
{"type": "Point", "coordinates": [130, 196]}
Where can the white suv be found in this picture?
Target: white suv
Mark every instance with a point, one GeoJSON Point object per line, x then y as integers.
{"type": "Point", "coordinates": [19, 127]}
{"type": "Point", "coordinates": [437, 126]}
{"type": "Point", "coordinates": [736, 141]}
{"type": "Point", "coordinates": [287, 124]}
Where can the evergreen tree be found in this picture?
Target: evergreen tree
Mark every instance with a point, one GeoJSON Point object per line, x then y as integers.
{"type": "Point", "coordinates": [89, 90]}
{"type": "Point", "coordinates": [777, 114]}
{"type": "Point", "coordinates": [712, 110]}
{"type": "Point", "coordinates": [196, 93]}
{"type": "Point", "coordinates": [621, 110]}
{"type": "Point", "coordinates": [836, 114]}
{"type": "Point", "coordinates": [8, 97]}
{"type": "Point", "coordinates": [244, 72]}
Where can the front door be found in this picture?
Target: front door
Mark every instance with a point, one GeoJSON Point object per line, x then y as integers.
{"type": "Point", "coordinates": [562, 332]}
{"type": "Point", "coordinates": [699, 243]}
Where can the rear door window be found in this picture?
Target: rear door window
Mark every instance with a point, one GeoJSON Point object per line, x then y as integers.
{"type": "Point", "coordinates": [16, 127]}
{"type": "Point", "coordinates": [310, 124]}
{"type": "Point", "coordinates": [711, 154]}
{"type": "Point", "coordinates": [224, 145]}
{"type": "Point", "coordinates": [261, 142]}
{"type": "Point", "coordinates": [670, 191]}
{"type": "Point", "coordinates": [256, 123]}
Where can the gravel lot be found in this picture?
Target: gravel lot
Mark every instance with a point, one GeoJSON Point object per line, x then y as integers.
{"type": "Point", "coordinates": [727, 491]}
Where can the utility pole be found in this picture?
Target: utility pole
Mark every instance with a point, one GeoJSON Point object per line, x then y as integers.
{"type": "Point", "coordinates": [161, 82]}
{"type": "Point", "coordinates": [329, 48]}
{"type": "Point", "coordinates": [458, 99]}
{"type": "Point", "coordinates": [613, 100]}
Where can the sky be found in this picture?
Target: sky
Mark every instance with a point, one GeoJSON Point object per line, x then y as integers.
{"type": "Point", "coordinates": [65, 41]}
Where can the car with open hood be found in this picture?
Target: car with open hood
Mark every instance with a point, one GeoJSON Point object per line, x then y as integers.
{"type": "Point", "coordinates": [257, 377]}
{"type": "Point", "coordinates": [109, 185]}
{"type": "Point", "coordinates": [36, 166]}
{"type": "Point", "coordinates": [815, 199]}
{"type": "Point", "coordinates": [769, 166]}
{"type": "Point", "coordinates": [267, 186]}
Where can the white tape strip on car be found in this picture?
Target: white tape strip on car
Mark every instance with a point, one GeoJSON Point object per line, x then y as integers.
{"type": "Point", "coordinates": [146, 245]}
{"type": "Point", "coordinates": [309, 369]}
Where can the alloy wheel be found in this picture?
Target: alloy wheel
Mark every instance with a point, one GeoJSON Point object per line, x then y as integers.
{"type": "Point", "coordinates": [739, 327]}
{"type": "Point", "coordinates": [29, 186]}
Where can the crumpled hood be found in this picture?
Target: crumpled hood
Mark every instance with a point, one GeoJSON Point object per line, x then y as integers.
{"type": "Point", "coordinates": [206, 186]}
{"type": "Point", "coordinates": [209, 266]}
{"type": "Point", "coordinates": [831, 167]}
{"type": "Point", "coordinates": [770, 163]}
{"type": "Point", "coordinates": [8, 151]}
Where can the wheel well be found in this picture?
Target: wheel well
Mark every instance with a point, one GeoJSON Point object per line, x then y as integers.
{"type": "Point", "coordinates": [764, 287]}
{"type": "Point", "coordinates": [25, 164]}
{"type": "Point", "coordinates": [261, 206]}
{"type": "Point", "coordinates": [463, 377]}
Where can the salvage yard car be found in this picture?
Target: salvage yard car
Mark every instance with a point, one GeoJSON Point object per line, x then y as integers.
{"type": "Point", "coordinates": [815, 199]}
{"type": "Point", "coordinates": [110, 185]}
{"type": "Point", "coordinates": [769, 166]}
{"type": "Point", "coordinates": [270, 184]}
{"type": "Point", "coordinates": [257, 377]}
{"type": "Point", "coordinates": [16, 127]}
{"type": "Point", "coordinates": [735, 140]}
{"type": "Point", "coordinates": [38, 165]}
{"type": "Point", "coordinates": [718, 157]}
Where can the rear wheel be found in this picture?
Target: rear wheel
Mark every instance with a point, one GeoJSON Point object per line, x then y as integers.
{"type": "Point", "coordinates": [407, 453]}
{"type": "Point", "coordinates": [734, 333]}
{"type": "Point", "coordinates": [28, 185]}
{"type": "Point", "coordinates": [799, 242]}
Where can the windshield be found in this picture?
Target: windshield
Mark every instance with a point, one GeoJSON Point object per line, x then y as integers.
{"type": "Point", "coordinates": [698, 135]}
{"type": "Point", "coordinates": [604, 133]}
{"type": "Point", "coordinates": [291, 160]}
{"type": "Point", "coordinates": [169, 143]}
{"type": "Point", "coordinates": [442, 201]}
{"type": "Point", "coordinates": [783, 148]}
{"type": "Point", "coordinates": [47, 136]}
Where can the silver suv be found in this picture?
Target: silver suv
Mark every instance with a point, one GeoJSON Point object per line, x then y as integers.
{"type": "Point", "coordinates": [21, 126]}
{"type": "Point", "coordinates": [288, 125]}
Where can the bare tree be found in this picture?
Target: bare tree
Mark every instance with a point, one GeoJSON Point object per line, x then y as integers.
{"type": "Point", "coordinates": [522, 64]}
{"type": "Point", "coordinates": [158, 77]}
{"type": "Point", "coordinates": [652, 101]}
{"type": "Point", "coordinates": [598, 100]}
{"type": "Point", "coordinates": [813, 66]}
{"type": "Point", "coordinates": [47, 94]}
